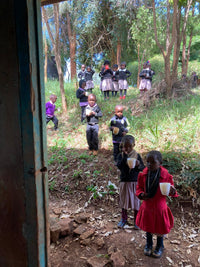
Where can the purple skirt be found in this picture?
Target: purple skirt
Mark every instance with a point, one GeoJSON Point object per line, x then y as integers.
{"type": "Point", "coordinates": [127, 196]}
{"type": "Point", "coordinates": [89, 85]}
{"type": "Point", "coordinates": [107, 85]}
{"type": "Point", "coordinates": [115, 86]}
{"type": "Point", "coordinates": [145, 84]}
{"type": "Point", "coordinates": [123, 84]}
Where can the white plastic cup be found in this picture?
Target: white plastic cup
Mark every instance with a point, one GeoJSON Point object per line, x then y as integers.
{"type": "Point", "coordinates": [88, 112]}
{"type": "Point", "coordinates": [115, 130]}
{"type": "Point", "coordinates": [165, 188]}
{"type": "Point", "coordinates": [131, 162]}
{"type": "Point", "coordinates": [87, 93]}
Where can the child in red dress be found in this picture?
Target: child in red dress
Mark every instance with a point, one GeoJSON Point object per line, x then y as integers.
{"type": "Point", "coordinates": [154, 216]}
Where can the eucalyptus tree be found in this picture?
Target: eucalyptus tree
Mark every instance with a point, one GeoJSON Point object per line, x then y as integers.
{"type": "Point", "coordinates": [54, 35]}
{"type": "Point", "coordinates": [176, 23]}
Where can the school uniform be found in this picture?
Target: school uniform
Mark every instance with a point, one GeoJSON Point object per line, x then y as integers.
{"type": "Point", "coordinates": [107, 83]}
{"type": "Point", "coordinates": [122, 124]}
{"type": "Point", "coordinates": [128, 180]}
{"type": "Point", "coordinates": [146, 81]}
{"type": "Point", "coordinates": [92, 126]}
{"type": "Point", "coordinates": [83, 100]}
{"type": "Point", "coordinates": [115, 82]}
{"type": "Point", "coordinates": [123, 74]}
{"type": "Point", "coordinates": [154, 216]}
{"type": "Point", "coordinates": [81, 75]}
{"type": "Point", "coordinates": [50, 108]}
{"type": "Point", "coordinates": [89, 80]}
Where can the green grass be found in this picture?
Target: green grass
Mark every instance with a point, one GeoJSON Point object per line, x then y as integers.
{"type": "Point", "coordinates": [169, 126]}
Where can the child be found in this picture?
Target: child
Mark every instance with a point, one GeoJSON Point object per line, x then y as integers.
{"type": "Point", "coordinates": [146, 74]}
{"type": "Point", "coordinates": [82, 95]}
{"type": "Point", "coordinates": [106, 74]}
{"type": "Point", "coordinates": [115, 80]}
{"type": "Point", "coordinates": [121, 123]}
{"type": "Point", "coordinates": [50, 108]}
{"type": "Point", "coordinates": [123, 74]}
{"type": "Point", "coordinates": [154, 215]}
{"type": "Point", "coordinates": [92, 113]}
{"type": "Point", "coordinates": [81, 74]}
{"type": "Point", "coordinates": [128, 179]}
{"type": "Point", "coordinates": [89, 81]}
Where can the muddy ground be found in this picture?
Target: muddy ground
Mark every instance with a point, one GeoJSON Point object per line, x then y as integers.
{"type": "Point", "coordinates": [82, 188]}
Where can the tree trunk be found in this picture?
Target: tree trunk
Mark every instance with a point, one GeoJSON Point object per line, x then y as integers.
{"type": "Point", "coordinates": [177, 44]}
{"type": "Point", "coordinates": [119, 50]}
{"type": "Point", "coordinates": [185, 60]}
{"type": "Point", "coordinates": [56, 47]}
{"type": "Point", "coordinates": [72, 46]}
{"type": "Point", "coordinates": [45, 59]}
{"type": "Point", "coordinates": [169, 45]}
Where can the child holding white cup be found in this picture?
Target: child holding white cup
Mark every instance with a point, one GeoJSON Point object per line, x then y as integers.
{"type": "Point", "coordinates": [128, 178]}
{"type": "Point", "coordinates": [154, 216]}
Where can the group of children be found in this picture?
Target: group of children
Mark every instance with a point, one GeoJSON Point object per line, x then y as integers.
{"type": "Point", "coordinates": [137, 182]}
{"type": "Point", "coordinates": [112, 80]}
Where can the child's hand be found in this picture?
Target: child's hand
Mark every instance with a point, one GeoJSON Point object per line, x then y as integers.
{"type": "Point", "coordinates": [143, 196]}
{"type": "Point", "coordinates": [172, 190]}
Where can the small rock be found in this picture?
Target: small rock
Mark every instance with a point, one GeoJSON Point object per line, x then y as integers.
{"type": "Point", "coordinates": [66, 226]}
{"type": "Point", "coordinates": [87, 234]}
{"type": "Point", "coordinates": [80, 229]}
{"type": "Point", "coordinates": [82, 218]}
{"type": "Point", "coordinates": [188, 251]}
{"type": "Point", "coordinates": [108, 233]}
{"type": "Point", "coordinates": [85, 242]}
{"type": "Point", "coordinates": [99, 242]}
{"type": "Point", "coordinates": [55, 232]}
{"type": "Point", "coordinates": [98, 261]}
{"type": "Point", "coordinates": [170, 260]}
{"type": "Point", "coordinates": [176, 242]}
{"type": "Point", "coordinates": [199, 259]}
{"type": "Point", "coordinates": [118, 259]}
{"type": "Point", "coordinates": [132, 239]}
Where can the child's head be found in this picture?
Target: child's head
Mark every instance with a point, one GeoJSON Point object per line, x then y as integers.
{"type": "Point", "coordinates": [119, 111]}
{"type": "Point", "coordinates": [106, 62]}
{"type": "Point", "coordinates": [148, 65]}
{"type": "Point", "coordinates": [123, 65]}
{"type": "Point", "coordinates": [53, 98]}
{"type": "Point", "coordinates": [115, 67]}
{"type": "Point", "coordinates": [82, 67]}
{"type": "Point", "coordinates": [92, 100]}
{"type": "Point", "coordinates": [82, 84]}
{"type": "Point", "coordinates": [127, 143]}
{"type": "Point", "coordinates": [88, 68]}
{"type": "Point", "coordinates": [154, 160]}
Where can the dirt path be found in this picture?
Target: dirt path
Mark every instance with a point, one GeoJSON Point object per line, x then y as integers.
{"type": "Point", "coordinates": [73, 182]}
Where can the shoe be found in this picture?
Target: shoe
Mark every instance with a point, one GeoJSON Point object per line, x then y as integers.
{"type": "Point", "coordinates": [120, 97]}
{"type": "Point", "coordinates": [136, 227]}
{"type": "Point", "coordinates": [158, 252]}
{"type": "Point", "coordinates": [122, 223]}
{"type": "Point", "coordinates": [95, 152]}
{"type": "Point", "coordinates": [147, 250]}
{"type": "Point", "coordinates": [124, 97]}
{"type": "Point", "coordinates": [90, 152]}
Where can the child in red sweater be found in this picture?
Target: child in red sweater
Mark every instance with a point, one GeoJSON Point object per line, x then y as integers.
{"type": "Point", "coordinates": [154, 216]}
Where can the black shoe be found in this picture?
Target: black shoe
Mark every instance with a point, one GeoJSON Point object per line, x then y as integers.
{"type": "Point", "coordinates": [158, 252]}
{"type": "Point", "coordinates": [147, 250]}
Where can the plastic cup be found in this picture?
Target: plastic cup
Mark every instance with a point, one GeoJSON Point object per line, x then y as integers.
{"type": "Point", "coordinates": [131, 162]}
{"type": "Point", "coordinates": [87, 93]}
{"type": "Point", "coordinates": [165, 188]}
{"type": "Point", "coordinates": [115, 130]}
{"type": "Point", "coordinates": [88, 112]}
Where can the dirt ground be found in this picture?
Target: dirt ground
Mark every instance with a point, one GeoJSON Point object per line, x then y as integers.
{"type": "Point", "coordinates": [78, 179]}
